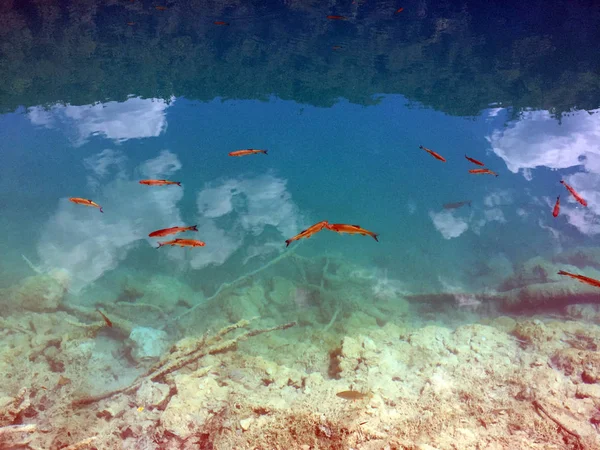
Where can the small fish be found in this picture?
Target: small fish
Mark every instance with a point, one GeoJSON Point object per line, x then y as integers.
{"type": "Point", "coordinates": [457, 204]}
{"type": "Point", "coordinates": [482, 171]}
{"type": "Point", "coordinates": [248, 151]}
{"type": "Point", "coordinates": [332, 17]}
{"type": "Point", "coordinates": [130, 23]}
{"type": "Point", "coordinates": [474, 161]}
{"type": "Point", "coordinates": [574, 193]}
{"type": "Point", "coordinates": [399, 10]}
{"type": "Point", "coordinates": [581, 278]}
{"type": "Point", "coordinates": [337, 47]}
{"type": "Point", "coordinates": [159, 182]}
{"type": "Point", "coordinates": [432, 153]}
{"type": "Point", "coordinates": [161, 8]}
{"type": "Point", "coordinates": [351, 229]}
{"type": "Point", "coordinates": [85, 202]}
{"type": "Point", "coordinates": [172, 230]}
{"type": "Point", "coordinates": [183, 243]}
{"type": "Point", "coordinates": [106, 319]}
{"type": "Point", "coordinates": [220, 22]}
{"type": "Point", "coordinates": [353, 395]}
{"type": "Point", "coordinates": [305, 234]}
{"type": "Point", "coordinates": [556, 209]}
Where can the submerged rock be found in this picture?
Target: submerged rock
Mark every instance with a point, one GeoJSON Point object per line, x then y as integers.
{"type": "Point", "coordinates": [38, 293]}
{"type": "Point", "coordinates": [147, 343]}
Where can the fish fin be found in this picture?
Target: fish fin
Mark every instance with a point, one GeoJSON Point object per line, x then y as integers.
{"type": "Point", "coordinates": [265, 152]}
{"type": "Point", "coordinates": [562, 182]}
{"type": "Point", "coordinates": [194, 228]}
{"type": "Point", "coordinates": [178, 183]}
{"type": "Point", "coordinates": [101, 210]}
{"type": "Point", "coordinates": [469, 203]}
{"type": "Point", "coordinates": [562, 272]}
{"type": "Point", "coordinates": [421, 147]}
{"type": "Point", "coordinates": [558, 198]}
{"type": "Point", "coordinates": [357, 226]}
{"type": "Point", "coordinates": [287, 242]}
{"type": "Point", "coordinates": [160, 245]}
{"type": "Point", "coordinates": [375, 237]}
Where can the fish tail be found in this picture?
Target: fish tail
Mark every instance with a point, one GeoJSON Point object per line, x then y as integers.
{"type": "Point", "coordinates": [101, 209]}
{"type": "Point", "coordinates": [160, 244]}
{"type": "Point", "coordinates": [194, 228]}
{"type": "Point", "coordinates": [178, 183]}
{"type": "Point", "coordinates": [287, 242]}
{"type": "Point", "coordinates": [562, 272]}
{"type": "Point", "coordinates": [375, 237]}
{"type": "Point", "coordinates": [265, 152]}
{"type": "Point", "coordinates": [469, 203]}
{"type": "Point", "coordinates": [421, 147]}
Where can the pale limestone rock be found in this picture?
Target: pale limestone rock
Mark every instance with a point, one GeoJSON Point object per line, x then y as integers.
{"type": "Point", "coordinates": [196, 401]}
{"type": "Point", "coordinates": [39, 293]}
{"type": "Point", "coordinates": [151, 394]}
{"type": "Point", "coordinates": [147, 343]}
{"type": "Point", "coordinates": [245, 423]}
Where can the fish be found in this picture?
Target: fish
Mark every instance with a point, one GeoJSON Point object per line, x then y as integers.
{"type": "Point", "coordinates": [182, 243]}
{"type": "Point", "coordinates": [333, 17]}
{"type": "Point", "coordinates": [556, 209]}
{"type": "Point", "coordinates": [305, 234]}
{"type": "Point", "coordinates": [581, 278]}
{"type": "Point", "coordinates": [474, 161]}
{"type": "Point", "coordinates": [159, 182]}
{"type": "Point", "coordinates": [85, 202]}
{"type": "Point", "coordinates": [106, 319]}
{"type": "Point", "coordinates": [399, 10]}
{"type": "Point", "coordinates": [432, 153]}
{"type": "Point", "coordinates": [353, 395]}
{"type": "Point", "coordinates": [172, 230]}
{"type": "Point", "coordinates": [574, 193]}
{"type": "Point", "coordinates": [351, 229]}
{"type": "Point", "coordinates": [337, 47]}
{"type": "Point", "coordinates": [220, 22]}
{"type": "Point", "coordinates": [482, 171]}
{"type": "Point", "coordinates": [161, 8]}
{"type": "Point", "coordinates": [130, 23]}
{"type": "Point", "coordinates": [456, 205]}
{"type": "Point", "coordinates": [248, 151]}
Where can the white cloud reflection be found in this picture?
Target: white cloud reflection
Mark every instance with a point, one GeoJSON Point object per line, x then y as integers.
{"type": "Point", "coordinates": [243, 206]}
{"type": "Point", "coordinates": [87, 243]}
{"type": "Point", "coordinates": [131, 119]}
{"type": "Point", "coordinates": [538, 140]}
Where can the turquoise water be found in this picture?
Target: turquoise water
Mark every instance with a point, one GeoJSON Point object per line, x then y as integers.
{"type": "Point", "coordinates": [98, 96]}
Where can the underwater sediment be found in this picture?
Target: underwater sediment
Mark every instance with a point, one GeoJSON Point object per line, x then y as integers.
{"type": "Point", "coordinates": [265, 367]}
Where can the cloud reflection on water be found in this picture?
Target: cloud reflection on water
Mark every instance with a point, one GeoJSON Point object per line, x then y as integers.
{"type": "Point", "coordinates": [132, 119]}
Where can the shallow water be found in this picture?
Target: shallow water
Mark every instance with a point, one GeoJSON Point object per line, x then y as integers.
{"type": "Point", "coordinates": [99, 95]}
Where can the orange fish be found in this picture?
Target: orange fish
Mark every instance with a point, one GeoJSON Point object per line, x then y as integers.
{"type": "Point", "coordinates": [581, 278]}
{"type": "Point", "coordinates": [313, 229]}
{"type": "Point", "coordinates": [182, 243]}
{"type": "Point", "coordinates": [351, 229]}
{"type": "Point", "coordinates": [399, 10]}
{"type": "Point", "coordinates": [432, 153]}
{"type": "Point", "coordinates": [220, 22]}
{"type": "Point", "coordinates": [574, 193]}
{"type": "Point", "coordinates": [248, 151]}
{"type": "Point", "coordinates": [106, 319]}
{"type": "Point", "coordinates": [474, 161]}
{"type": "Point", "coordinates": [482, 171]}
{"type": "Point", "coordinates": [556, 209]}
{"type": "Point", "coordinates": [337, 17]}
{"type": "Point", "coordinates": [159, 182]}
{"type": "Point", "coordinates": [172, 230]}
{"type": "Point", "coordinates": [86, 202]}
{"type": "Point", "coordinates": [161, 8]}
{"type": "Point", "coordinates": [130, 23]}
{"type": "Point", "coordinates": [337, 47]}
